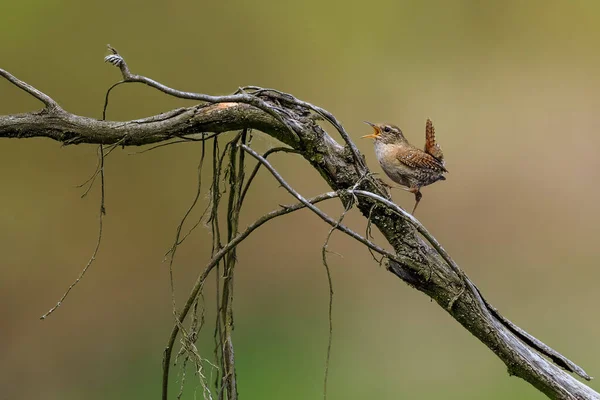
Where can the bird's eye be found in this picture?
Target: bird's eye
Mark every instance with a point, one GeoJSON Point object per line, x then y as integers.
{"type": "Point", "coordinates": [386, 129]}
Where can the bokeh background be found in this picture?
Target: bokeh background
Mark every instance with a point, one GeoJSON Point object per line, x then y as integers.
{"type": "Point", "coordinates": [512, 88]}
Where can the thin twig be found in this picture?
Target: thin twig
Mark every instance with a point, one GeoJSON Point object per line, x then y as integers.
{"type": "Point", "coordinates": [183, 140]}
{"type": "Point", "coordinates": [92, 179]}
{"type": "Point", "coordinates": [330, 285]}
{"type": "Point", "coordinates": [369, 235]}
{"type": "Point", "coordinates": [177, 242]}
{"type": "Point", "coordinates": [106, 97]}
{"type": "Point", "coordinates": [94, 254]}
{"type": "Point", "coordinates": [258, 165]}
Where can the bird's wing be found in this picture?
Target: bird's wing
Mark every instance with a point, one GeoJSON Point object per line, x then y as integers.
{"type": "Point", "coordinates": [431, 147]}
{"type": "Point", "coordinates": [416, 158]}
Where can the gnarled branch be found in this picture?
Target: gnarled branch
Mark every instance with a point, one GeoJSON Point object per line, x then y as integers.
{"type": "Point", "coordinates": [417, 258]}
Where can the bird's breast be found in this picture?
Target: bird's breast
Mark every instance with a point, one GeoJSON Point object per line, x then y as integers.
{"type": "Point", "coordinates": [387, 155]}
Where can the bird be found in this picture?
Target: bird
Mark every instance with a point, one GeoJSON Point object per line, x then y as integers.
{"type": "Point", "coordinates": [405, 164]}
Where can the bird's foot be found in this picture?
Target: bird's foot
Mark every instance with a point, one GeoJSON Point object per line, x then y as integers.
{"type": "Point", "coordinates": [418, 197]}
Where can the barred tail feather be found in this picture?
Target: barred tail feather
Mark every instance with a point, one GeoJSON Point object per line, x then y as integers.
{"type": "Point", "coordinates": [431, 147]}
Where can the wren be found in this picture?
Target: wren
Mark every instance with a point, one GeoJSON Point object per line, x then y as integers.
{"type": "Point", "coordinates": [405, 164]}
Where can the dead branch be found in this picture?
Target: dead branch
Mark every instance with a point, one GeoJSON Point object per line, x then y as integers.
{"type": "Point", "coordinates": [417, 258]}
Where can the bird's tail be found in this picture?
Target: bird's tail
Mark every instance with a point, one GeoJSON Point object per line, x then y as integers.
{"type": "Point", "coordinates": [431, 147]}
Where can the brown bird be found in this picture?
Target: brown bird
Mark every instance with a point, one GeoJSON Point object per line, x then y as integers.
{"type": "Point", "coordinates": [404, 163]}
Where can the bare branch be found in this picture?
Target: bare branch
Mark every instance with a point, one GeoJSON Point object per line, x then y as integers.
{"type": "Point", "coordinates": [329, 117]}
{"type": "Point", "coordinates": [50, 104]}
{"type": "Point", "coordinates": [117, 60]}
{"type": "Point", "coordinates": [558, 358]}
{"type": "Point", "coordinates": [416, 258]}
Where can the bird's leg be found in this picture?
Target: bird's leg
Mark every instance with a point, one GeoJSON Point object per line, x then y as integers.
{"type": "Point", "coordinates": [415, 190]}
{"type": "Point", "coordinates": [418, 196]}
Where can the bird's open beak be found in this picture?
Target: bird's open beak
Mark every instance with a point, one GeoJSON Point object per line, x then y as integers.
{"type": "Point", "coordinates": [376, 131]}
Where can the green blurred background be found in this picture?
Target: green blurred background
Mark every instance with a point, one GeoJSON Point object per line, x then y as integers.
{"type": "Point", "coordinates": [512, 88]}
